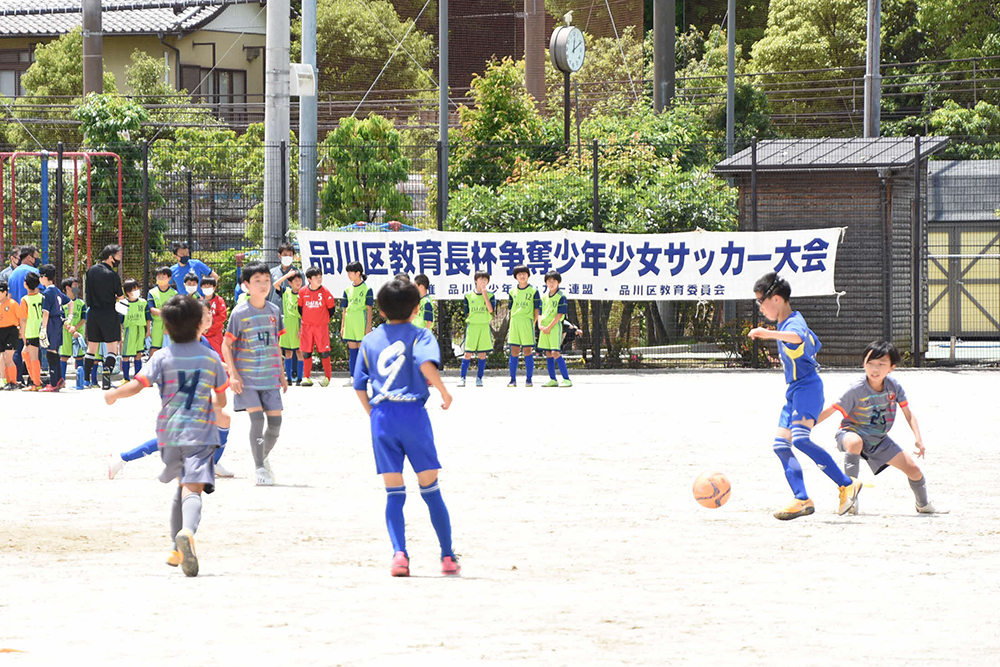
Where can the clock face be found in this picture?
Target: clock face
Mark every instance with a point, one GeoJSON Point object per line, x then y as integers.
{"type": "Point", "coordinates": [575, 49]}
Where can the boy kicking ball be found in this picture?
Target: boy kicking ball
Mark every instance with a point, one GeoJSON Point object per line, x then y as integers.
{"type": "Point", "coordinates": [399, 360]}
{"type": "Point", "coordinates": [192, 386]}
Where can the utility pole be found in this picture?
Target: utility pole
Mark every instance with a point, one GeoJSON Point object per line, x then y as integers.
{"type": "Point", "coordinates": [534, 49]}
{"type": "Point", "coordinates": [276, 124]}
{"type": "Point", "coordinates": [308, 117]}
{"type": "Point", "coordinates": [873, 75]}
{"type": "Point", "coordinates": [93, 47]}
{"type": "Point", "coordinates": [664, 57]}
{"type": "Point", "coordinates": [731, 81]}
{"type": "Point", "coordinates": [443, 108]}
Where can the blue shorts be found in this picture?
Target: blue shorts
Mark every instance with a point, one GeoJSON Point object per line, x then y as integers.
{"type": "Point", "coordinates": [803, 400]}
{"type": "Point", "coordinates": [403, 430]}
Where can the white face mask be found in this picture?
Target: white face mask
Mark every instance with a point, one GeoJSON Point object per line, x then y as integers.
{"type": "Point", "coordinates": [208, 291]}
{"type": "Point", "coordinates": [135, 295]}
{"type": "Point", "coordinates": [191, 289]}
{"type": "Point", "coordinates": [286, 261]}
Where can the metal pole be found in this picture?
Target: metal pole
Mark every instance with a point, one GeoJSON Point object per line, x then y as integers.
{"type": "Point", "coordinates": [190, 230]}
{"type": "Point", "coordinates": [753, 225]}
{"type": "Point", "coordinates": [664, 57]}
{"type": "Point", "coordinates": [598, 310]}
{"type": "Point", "coordinates": [284, 192]}
{"type": "Point", "coordinates": [308, 119]}
{"type": "Point", "coordinates": [731, 80]}
{"type": "Point", "coordinates": [442, 187]}
{"type": "Point", "coordinates": [534, 49]}
{"type": "Point", "coordinates": [45, 207]}
{"type": "Point", "coordinates": [873, 76]}
{"type": "Point", "coordinates": [93, 46]}
{"type": "Point", "coordinates": [566, 109]}
{"type": "Point", "coordinates": [276, 124]}
{"type": "Point", "coordinates": [917, 258]}
{"type": "Point", "coordinates": [443, 107]}
{"type": "Point", "coordinates": [145, 214]}
{"type": "Point", "coordinates": [60, 270]}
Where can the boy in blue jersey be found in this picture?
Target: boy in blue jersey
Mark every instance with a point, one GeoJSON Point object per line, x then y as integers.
{"type": "Point", "coordinates": [192, 383]}
{"type": "Point", "coordinates": [53, 324]}
{"type": "Point", "coordinates": [797, 347]}
{"type": "Point", "coordinates": [400, 360]}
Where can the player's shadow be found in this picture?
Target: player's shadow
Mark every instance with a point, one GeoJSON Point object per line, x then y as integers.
{"type": "Point", "coordinates": [291, 486]}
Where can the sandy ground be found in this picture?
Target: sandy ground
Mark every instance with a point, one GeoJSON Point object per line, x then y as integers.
{"type": "Point", "coordinates": [573, 517]}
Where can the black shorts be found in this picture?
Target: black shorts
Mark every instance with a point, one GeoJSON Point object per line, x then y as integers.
{"type": "Point", "coordinates": [33, 342]}
{"type": "Point", "coordinates": [8, 338]}
{"type": "Point", "coordinates": [103, 325]}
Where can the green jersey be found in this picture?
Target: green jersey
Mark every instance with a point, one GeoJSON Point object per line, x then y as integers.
{"type": "Point", "coordinates": [553, 305]}
{"type": "Point", "coordinates": [78, 308]}
{"type": "Point", "coordinates": [136, 316]}
{"type": "Point", "coordinates": [425, 313]}
{"type": "Point", "coordinates": [355, 302]}
{"type": "Point", "coordinates": [157, 298]}
{"type": "Point", "coordinates": [292, 319]}
{"type": "Point", "coordinates": [524, 303]}
{"type": "Point", "coordinates": [475, 307]}
{"type": "Point", "coordinates": [32, 305]}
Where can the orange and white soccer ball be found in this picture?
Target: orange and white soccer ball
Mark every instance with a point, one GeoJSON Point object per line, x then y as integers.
{"type": "Point", "coordinates": [711, 489]}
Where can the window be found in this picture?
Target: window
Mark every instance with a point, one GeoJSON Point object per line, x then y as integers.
{"type": "Point", "coordinates": [224, 88]}
{"type": "Point", "coordinates": [13, 64]}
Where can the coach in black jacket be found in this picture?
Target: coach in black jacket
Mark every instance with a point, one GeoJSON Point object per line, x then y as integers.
{"type": "Point", "coordinates": [103, 289]}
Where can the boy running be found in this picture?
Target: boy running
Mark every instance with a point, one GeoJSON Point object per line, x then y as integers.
{"type": "Point", "coordinates": [356, 320]}
{"type": "Point", "coordinates": [400, 360]}
{"type": "Point", "coordinates": [253, 357]}
{"type": "Point", "coordinates": [525, 307]}
{"type": "Point", "coordinates": [550, 329]}
{"type": "Point", "coordinates": [136, 323]}
{"type": "Point", "coordinates": [869, 411]}
{"type": "Point", "coordinates": [192, 385]}
{"type": "Point", "coordinates": [291, 341]}
{"type": "Point", "coordinates": [479, 306]}
{"type": "Point", "coordinates": [797, 347]}
{"type": "Point", "coordinates": [316, 306]}
{"type": "Point", "coordinates": [158, 296]}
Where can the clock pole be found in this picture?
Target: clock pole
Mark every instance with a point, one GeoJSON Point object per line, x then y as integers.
{"type": "Point", "coordinates": [566, 109]}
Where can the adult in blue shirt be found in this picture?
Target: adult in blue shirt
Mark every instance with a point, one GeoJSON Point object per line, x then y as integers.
{"type": "Point", "coordinates": [29, 260]}
{"type": "Point", "coordinates": [185, 265]}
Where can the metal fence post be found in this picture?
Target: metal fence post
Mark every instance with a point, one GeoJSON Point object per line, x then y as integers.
{"type": "Point", "coordinates": [145, 214]}
{"type": "Point", "coordinates": [284, 192]}
{"type": "Point", "coordinates": [753, 226]}
{"type": "Point", "coordinates": [190, 212]}
{"type": "Point", "coordinates": [916, 275]}
{"type": "Point", "coordinates": [598, 309]}
{"type": "Point", "coordinates": [59, 210]}
{"type": "Point", "coordinates": [442, 184]}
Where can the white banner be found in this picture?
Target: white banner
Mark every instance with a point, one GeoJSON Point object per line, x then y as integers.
{"type": "Point", "coordinates": [690, 266]}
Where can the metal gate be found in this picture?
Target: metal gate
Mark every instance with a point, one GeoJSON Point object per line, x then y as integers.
{"type": "Point", "coordinates": [963, 281]}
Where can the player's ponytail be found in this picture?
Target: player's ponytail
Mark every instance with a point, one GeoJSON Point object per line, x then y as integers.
{"type": "Point", "coordinates": [356, 267]}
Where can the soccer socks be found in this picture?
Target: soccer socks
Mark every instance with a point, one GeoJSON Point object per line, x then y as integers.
{"type": "Point", "coordinates": [55, 368]}
{"type": "Point", "coordinates": [309, 367]}
{"type": "Point", "coordinates": [223, 439]}
{"type": "Point", "coordinates": [821, 457]}
{"type": "Point", "coordinates": [34, 371]}
{"type": "Point", "coordinates": [300, 367]}
{"type": "Point", "coordinates": [145, 449]}
{"type": "Point", "coordinates": [257, 438]}
{"type": "Point", "coordinates": [480, 368]}
{"type": "Point", "coordinates": [63, 365]}
{"type": "Point", "coordinates": [852, 465]}
{"type": "Point", "coordinates": [395, 499]}
{"type": "Point", "coordinates": [88, 366]}
{"type": "Point", "coordinates": [176, 517]}
{"type": "Point", "coordinates": [793, 471]}
{"type": "Point", "coordinates": [919, 489]}
{"type": "Point", "coordinates": [93, 372]}
{"type": "Point", "coordinates": [271, 433]}
{"type": "Point", "coordinates": [529, 367]}
{"type": "Point", "coordinates": [352, 359]}
{"type": "Point", "coordinates": [465, 367]}
{"type": "Point", "coordinates": [138, 365]}
{"type": "Point", "coordinates": [512, 363]}
{"type": "Point", "coordinates": [288, 369]}
{"type": "Point", "coordinates": [191, 511]}
{"type": "Point", "coordinates": [562, 368]}
{"type": "Point", "coordinates": [127, 369]}
{"type": "Point", "coordinates": [550, 363]}
{"type": "Point", "coordinates": [439, 516]}
{"type": "Point", "coordinates": [327, 367]}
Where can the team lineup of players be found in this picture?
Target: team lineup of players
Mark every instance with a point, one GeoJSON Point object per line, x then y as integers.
{"type": "Point", "coordinates": [392, 368]}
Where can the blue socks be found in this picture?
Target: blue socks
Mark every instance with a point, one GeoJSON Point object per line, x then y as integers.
{"type": "Point", "coordinates": [145, 449]}
{"type": "Point", "coordinates": [512, 362]}
{"type": "Point", "coordinates": [439, 517]}
{"type": "Point", "coordinates": [465, 367]}
{"type": "Point", "coordinates": [288, 369]}
{"type": "Point", "coordinates": [300, 366]}
{"type": "Point", "coordinates": [793, 471]}
{"type": "Point", "coordinates": [223, 439]}
{"type": "Point", "coordinates": [550, 363]}
{"type": "Point", "coordinates": [529, 367]}
{"type": "Point", "coordinates": [562, 368]}
{"type": "Point", "coordinates": [126, 369]}
{"type": "Point", "coordinates": [481, 368]}
{"type": "Point", "coordinates": [821, 457]}
{"type": "Point", "coordinates": [353, 359]}
{"type": "Point", "coordinates": [396, 497]}
{"type": "Point", "coordinates": [62, 367]}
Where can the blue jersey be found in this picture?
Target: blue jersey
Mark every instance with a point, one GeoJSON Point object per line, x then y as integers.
{"type": "Point", "coordinates": [799, 361]}
{"type": "Point", "coordinates": [391, 357]}
{"type": "Point", "coordinates": [53, 301]}
{"type": "Point", "coordinates": [179, 271]}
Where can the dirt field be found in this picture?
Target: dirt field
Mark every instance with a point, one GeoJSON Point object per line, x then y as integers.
{"type": "Point", "coordinates": [573, 517]}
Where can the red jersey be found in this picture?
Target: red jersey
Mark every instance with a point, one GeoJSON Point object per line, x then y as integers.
{"type": "Point", "coordinates": [215, 332]}
{"type": "Point", "coordinates": [316, 306]}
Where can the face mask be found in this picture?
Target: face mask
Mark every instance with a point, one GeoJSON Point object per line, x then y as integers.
{"type": "Point", "coordinates": [208, 292]}
{"type": "Point", "coordinates": [116, 263]}
{"type": "Point", "coordinates": [286, 261]}
{"type": "Point", "coordinates": [191, 289]}
{"type": "Point", "coordinates": [76, 292]}
{"type": "Point", "coordinates": [183, 260]}
{"type": "Point", "coordinates": [134, 295]}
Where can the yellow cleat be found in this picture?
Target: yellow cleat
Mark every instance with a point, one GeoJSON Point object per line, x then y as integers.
{"type": "Point", "coordinates": [849, 496]}
{"type": "Point", "coordinates": [189, 561]}
{"type": "Point", "coordinates": [795, 510]}
{"type": "Point", "coordinates": [175, 558]}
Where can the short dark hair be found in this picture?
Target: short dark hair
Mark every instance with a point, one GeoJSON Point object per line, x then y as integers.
{"type": "Point", "coordinates": [3, 286]}
{"type": "Point", "coordinates": [27, 251]}
{"type": "Point", "coordinates": [402, 276]}
{"type": "Point", "coordinates": [67, 282]}
{"type": "Point", "coordinates": [398, 299]}
{"type": "Point", "coordinates": [110, 250]}
{"type": "Point", "coordinates": [210, 281]}
{"type": "Point", "coordinates": [47, 271]}
{"type": "Point", "coordinates": [129, 285]}
{"type": "Point", "coordinates": [15, 250]}
{"type": "Point", "coordinates": [481, 274]}
{"type": "Point", "coordinates": [421, 279]}
{"type": "Point", "coordinates": [882, 348]}
{"type": "Point", "coordinates": [181, 245]}
{"type": "Point", "coordinates": [286, 247]}
{"type": "Point", "coordinates": [252, 269]}
{"type": "Point", "coordinates": [553, 275]}
{"type": "Point", "coordinates": [770, 284]}
{"type": "Point", "coordinates": [520, 269]}
{"type": "Point", "coordinates": [356, 267]}
{"type": "Point", "coordinates": [191, 277]}
{"type": "Point", "coordinates": [182, 318]}
{"type": "Point", "coordinates": [297, 275]}
{"type": "Point", "coordinates": [31, 281]}
{"type": "Point", "coordinates": [313, 271]}
{"type": "Point", "coordinates": [164, 271]}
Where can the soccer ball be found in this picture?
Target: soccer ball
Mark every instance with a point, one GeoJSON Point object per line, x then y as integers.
{"type": "Point", "coordinates": [711, 489]}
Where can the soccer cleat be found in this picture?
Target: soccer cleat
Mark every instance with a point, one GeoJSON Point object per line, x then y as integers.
{"type": "Point", "coordinates": [566, 383]}
{"type": "Point", "coordinates": [307, 382]}
{"type": "Point", "coordinates": [221, 471]}
{"type": "Point", "coordinates": [461, 382]}
{"type": "Point", "coordinates": [930, 509]}
{"type": "Point", "coordinates": [115, 465]}
{"type": "Point", "coordinates": [189, 561]}
{"type": "Point", "coordinates": [795, 510]}
{"type": "Point", "coordinates": [349, 383]}
{"type": "Point", "coordinates": [175, 558]}
{"type": "Point", "coordinates": [479, 382]}
{"type": "Point", "coordinates": [263, 478]}
{"type": "Point", "coordinates": [528, 384]}
{"type": "Point", "coordinates": [49, 389]}
{"type": "Point", "coordinates": [400, 565]}
{"type": "Point", "coordinates": [855, 508]}
{"type": "Point", "coordinates": [267, 466]}
{"type": "Point", "coordinates": [511, 384]}
{"type": "Point", "coordinates": [848, 496]}
{"type": "Point", "coordinates": [551, 383]}
{"type": "Point", "coordinates": [32, 387]}
{"type": "Point", "coordinates": [450, 566]}
{"type": "Point", "coordinates": [324, 382]}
